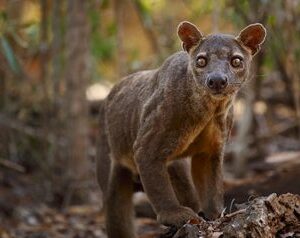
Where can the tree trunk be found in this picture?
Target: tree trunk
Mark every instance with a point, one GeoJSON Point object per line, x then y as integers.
{"type": "Point", "coordinates": [77, 76]}
{"type": "Point", "coordinates": [119, 12]}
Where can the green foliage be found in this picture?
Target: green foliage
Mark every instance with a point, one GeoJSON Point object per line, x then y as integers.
{"type": "Point", "coordinates": [145, 10]}
{"type": "Point", "coordinates": [271, 21]}
{"type": "Point", "coordinates": [102, 47]}
{"type": "Point", "coordinates": [32, 33]}
{"type": "Point", "coordinates": [3, 19]}
{"type": "Point", "coordinates": [6, 48]}
{"type": "Point", "coordinates": [232, 16]}
{"type": "Point", "coordinates": [8, 52]}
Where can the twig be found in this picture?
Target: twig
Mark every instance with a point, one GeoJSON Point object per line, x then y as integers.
{"type": "Point", "coordinates": [11, 165]}
{"type": "Point", "coordinates": [231, 204]}
{"type": "Point", "coordinates": [18, 126]}
{"type": "Point", "coordinates": [223, 212]}
{"type": "Point", "coordinates": [235, 213]}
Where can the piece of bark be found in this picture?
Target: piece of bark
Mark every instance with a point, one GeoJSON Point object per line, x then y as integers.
{"type": "Point", "coordinates": [272, 216]}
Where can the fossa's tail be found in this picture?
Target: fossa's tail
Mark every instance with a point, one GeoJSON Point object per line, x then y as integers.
{"type": "Point", "coordinates": [102, 156]}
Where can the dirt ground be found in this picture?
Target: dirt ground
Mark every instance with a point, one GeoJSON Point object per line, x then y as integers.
{"type": "Point", "coordinates": [22, 215]}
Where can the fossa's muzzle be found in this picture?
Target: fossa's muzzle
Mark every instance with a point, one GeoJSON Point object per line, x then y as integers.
{"type": "Point", "coordinates": [216, 83]}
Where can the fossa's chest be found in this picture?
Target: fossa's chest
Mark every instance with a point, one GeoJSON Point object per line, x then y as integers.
{"type": "Point", "coordinates": [199, 139]}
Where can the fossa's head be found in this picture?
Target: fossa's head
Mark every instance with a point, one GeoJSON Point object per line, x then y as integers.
{"type": "Point", "coordinates": [220, 63]}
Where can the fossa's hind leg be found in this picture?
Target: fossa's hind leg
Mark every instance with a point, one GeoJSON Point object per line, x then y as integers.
{"type": "Point", "coordinates": [102, 156]}
{"type": "Point", "coordinates": [119, 207]}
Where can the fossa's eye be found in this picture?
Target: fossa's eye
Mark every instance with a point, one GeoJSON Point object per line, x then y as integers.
{"type": "Point", "coordinates": [236, 61]}
{"type": "Point", "coordinates": [201, 61]}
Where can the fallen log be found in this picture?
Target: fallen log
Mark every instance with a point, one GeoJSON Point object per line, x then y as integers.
{"type": "Point", "coordinates": [272, 216]}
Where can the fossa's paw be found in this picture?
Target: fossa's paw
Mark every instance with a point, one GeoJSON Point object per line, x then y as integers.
{"type": "Point", "coordinates": [177, 216]}
{"type": "Point", "coordinates": [211, 213]}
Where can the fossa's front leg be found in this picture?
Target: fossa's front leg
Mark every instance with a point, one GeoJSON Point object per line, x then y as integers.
{"type": "Point", "coordinates": [151, 154]}
{"type": "Point", "coordinates": [207, 177]}
{"type": "Point", "coordinates": [207, 167]}
{"type": "Point", "coordinates": [180, 175]}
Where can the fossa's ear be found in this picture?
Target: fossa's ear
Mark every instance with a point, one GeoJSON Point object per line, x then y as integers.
{"type": "Point", "coordinates": [252, 37]}
{"type": "Point", "coordinates": [189, 34]}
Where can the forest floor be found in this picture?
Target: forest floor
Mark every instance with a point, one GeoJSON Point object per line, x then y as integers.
{"type": "Point", "coordinates": [21, 215]}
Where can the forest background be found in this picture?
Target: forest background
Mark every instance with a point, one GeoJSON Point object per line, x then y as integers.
{"type": "Point", "coordinates": [58, 58]}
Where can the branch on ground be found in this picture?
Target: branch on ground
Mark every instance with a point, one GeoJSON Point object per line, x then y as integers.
{"type": "Point", "coordinates": [272, 216]}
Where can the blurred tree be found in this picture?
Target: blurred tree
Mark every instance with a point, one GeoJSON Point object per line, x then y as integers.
{"type": "Point", "coordinates": [148, 26]}
{"type": "Point", "coordinates": [44, 52]}
{"type": "Point", "coordinates": [247, 13]}
{"type": "Point", "coordinates": [75, 105]}
{"type": "Point", "coordinates": [119, 7]}
{"type": "Point", "coordinates": [280, 19]}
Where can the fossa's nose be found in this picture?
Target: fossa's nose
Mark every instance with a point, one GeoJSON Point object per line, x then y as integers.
{"type": "Point", "coordinates": [217, 82]}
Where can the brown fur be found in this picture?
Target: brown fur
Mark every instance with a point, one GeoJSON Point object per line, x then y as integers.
{"type": "Point", "coordinates": [168, 127]}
